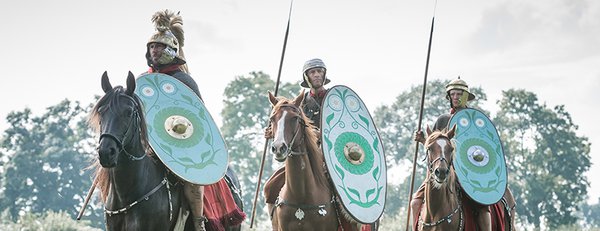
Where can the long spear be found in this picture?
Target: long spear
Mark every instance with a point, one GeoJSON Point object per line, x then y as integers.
{"type": "Point", "coordinates": [412, 179]}
{"type": "Point", "coordinates": [262, 160]}
{"type": "Point", "coordinates": [87, 198]}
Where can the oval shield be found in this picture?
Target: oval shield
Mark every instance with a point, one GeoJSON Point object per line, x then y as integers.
{"type": "Point", "coordinates": [181, 131]}
{"type": "Point", "coordinates": [354, 154]}
{"type": "Point", "coordinates": [479, 159]}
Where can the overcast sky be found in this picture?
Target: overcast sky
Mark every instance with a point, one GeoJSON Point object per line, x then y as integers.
{"type": "Point", "coordinates": [54, 50]}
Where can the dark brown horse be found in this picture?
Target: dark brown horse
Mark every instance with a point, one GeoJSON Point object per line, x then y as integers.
{"type": "Point", "coordinates": [306, 200]}
{"type": "Point", "coordinates": [444, 206]}
{"type": "Point", "coordinates": [138, 192]}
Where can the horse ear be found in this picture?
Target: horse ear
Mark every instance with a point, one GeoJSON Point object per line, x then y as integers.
{"type": "Point", "coordinates": [130, 84]}
{"type": "Point", "coordinates": [429, 131]}
{"type": "Point", "coordinates": [106, 86]}
{"type": "Point", "coordinates": [298, 100]}
{"type": "Point", "coordinates": [452, 132]}
{"type": "Point", "coordinates": [272, 99]}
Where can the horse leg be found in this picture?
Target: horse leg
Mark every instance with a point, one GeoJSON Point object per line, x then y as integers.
{"type": "Point", "coordinates": [195, 197]}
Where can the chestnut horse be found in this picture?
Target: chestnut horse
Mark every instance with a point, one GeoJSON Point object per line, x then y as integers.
{"type": "Point", "coordinates": [306, 200]}
{"type": "Point", "coordinates": [444, 206]}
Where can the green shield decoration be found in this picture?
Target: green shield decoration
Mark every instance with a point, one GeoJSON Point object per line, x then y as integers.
{"type": "Point", "coordinates": [479, 158]}
{"type": "Point", "coordinates": [181, 131]}
{"type": "Point", "coordinates": [354, 154]}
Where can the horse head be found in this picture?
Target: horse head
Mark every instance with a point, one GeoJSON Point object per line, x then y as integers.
{"type": "Point", "coordinates": [117, 117]}
{"type": "Point", "coordinates": [440, 152]}
{"type": "Point", "coordinates": [286, 122]}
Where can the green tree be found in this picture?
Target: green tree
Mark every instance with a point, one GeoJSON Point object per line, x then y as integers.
{"type": "Point", "coordinates": [43, 160]}
{"type": "Point", "coordinates": [397, 124]}
{"type": "Point", "coordinates": [245, 115]}
{"type": "Point", "coordinates": [46, 221]}
{"type": "Point", "coordinates": [546, 159]}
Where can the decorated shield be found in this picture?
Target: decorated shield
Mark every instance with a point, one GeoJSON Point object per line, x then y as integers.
{"type": "Point", "coordinates": [181, 131]}
{"type": "Point", "coordinates": [354, 154]}
{"type": "Point", "coordinates": [479, 158]}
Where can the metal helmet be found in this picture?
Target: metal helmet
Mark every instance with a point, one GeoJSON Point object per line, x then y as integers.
{"type": "Point", "coordinates": [310, 64]}
{"type": "Point", "coordinates": [459, 84]}
{"type": "Point", "coordinates": [168, 27]}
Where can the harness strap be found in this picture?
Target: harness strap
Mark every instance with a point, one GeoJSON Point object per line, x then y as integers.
{"type": "Point", "coordinates": [280, 202]}
{"type": "Point", "coordinates": [447, 218]}
{"type": "Point", "coordinates": [509, 210]}
{"type": "Point", "coordinates": [144, 197]}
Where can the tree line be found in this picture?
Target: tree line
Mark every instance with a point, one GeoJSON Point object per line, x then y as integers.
{"type": "Point", "coordinates": [43, 158]}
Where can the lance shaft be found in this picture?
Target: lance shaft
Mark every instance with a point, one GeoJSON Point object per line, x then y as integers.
{"type": "Point", "coordinates": [87, 198]}
{"type": "Point", "coordinates": [412, 179]}
{"type": "Point", "coordinates": [262, 160]}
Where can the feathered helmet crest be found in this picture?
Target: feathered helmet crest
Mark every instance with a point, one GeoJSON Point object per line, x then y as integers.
{"type": "Point", "coordinates": [169, 31]}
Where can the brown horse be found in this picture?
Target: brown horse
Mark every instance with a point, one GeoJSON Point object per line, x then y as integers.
{"type": "Point", "coordinates": [306, 201]}
{"type": "Point", "coordinates": [444, 207]}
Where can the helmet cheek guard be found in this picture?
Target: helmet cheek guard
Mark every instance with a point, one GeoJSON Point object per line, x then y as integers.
{"type": "Point", "coordinates": [310, 64]}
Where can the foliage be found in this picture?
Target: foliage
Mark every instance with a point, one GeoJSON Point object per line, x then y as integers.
{"type": "Point", "coordinates": [47, 221]}
{"type": "Point", "coordinates": [43, 160]}
{"type": "Point", "coordinates": [245, 115]}
{"type": "Point", "coordinates": [546, 159]}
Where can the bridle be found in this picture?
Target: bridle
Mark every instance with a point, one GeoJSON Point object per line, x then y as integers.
{"type": "Point", "coordinates": [135, 119]}
{"type": "Point", "coordinates": [458, 209]}
{"type": "Point", "coordinates": [290, 151]}
{"type": "Point", "coordinates": [442, 157]}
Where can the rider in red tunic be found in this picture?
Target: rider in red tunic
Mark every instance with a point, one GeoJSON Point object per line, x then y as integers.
{"type": "Point", "coordinates": [164, 54]}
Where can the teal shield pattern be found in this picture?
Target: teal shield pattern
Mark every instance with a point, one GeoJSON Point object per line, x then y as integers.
{"type": "Point", "coordinates": [181, 131]}
{"type": "Point", "coordinates": [479, 158]}
{"type": "Point", "coordinates": [354, 154]}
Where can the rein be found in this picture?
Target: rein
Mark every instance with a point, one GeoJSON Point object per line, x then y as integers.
{"type": "Point", "coordinates": [135, 119]}
{"type": "Point", "coordinates": [290, 152]}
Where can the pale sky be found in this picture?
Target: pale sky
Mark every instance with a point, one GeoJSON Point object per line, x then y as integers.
{"type": "Point", "coordinates": [59, 49]}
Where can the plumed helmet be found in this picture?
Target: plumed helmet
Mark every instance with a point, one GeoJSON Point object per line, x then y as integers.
{"type": "Point", "coordinates": [313, 63]}
{"type": "Point", "coordinates": [459, 84]}
{"type": "Point", "coordinates": [169, 31]}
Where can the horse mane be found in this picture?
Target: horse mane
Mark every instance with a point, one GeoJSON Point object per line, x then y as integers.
{"type": "Point", "coordinates": [310, 138]}
{"type": "Point", "coordinates": [110, 99]}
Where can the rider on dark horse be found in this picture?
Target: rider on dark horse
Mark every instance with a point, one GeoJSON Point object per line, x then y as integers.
{"type": "Point", "coordinates": [457, 92]}
{"type": "Point", "coordinates": [164, 54]}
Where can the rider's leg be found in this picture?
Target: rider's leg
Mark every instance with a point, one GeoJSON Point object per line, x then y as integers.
{"type": "Point", "coordinates": [484, 218]}
{"type": "Point", "coordinates": [417, 202]}
{"type": "Point", "coordinates": [415, 206]}
{"type": "Point", "coordinates": [195, 196]}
